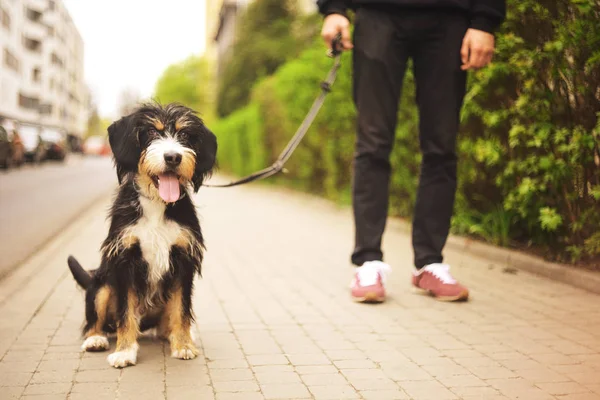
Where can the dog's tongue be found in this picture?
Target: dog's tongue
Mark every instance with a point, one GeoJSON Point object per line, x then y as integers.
{"type": "Point", "coordinates": [168, 188]}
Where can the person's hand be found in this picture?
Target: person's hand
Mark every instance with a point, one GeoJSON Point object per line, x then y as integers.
{"type": "Point", "coordinates": [334, 24]}
{"type": "Point", "coordinates": [477, 49]}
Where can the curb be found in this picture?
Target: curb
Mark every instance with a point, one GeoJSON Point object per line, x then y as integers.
{"type": "Point", "coordinates": [573, 276]}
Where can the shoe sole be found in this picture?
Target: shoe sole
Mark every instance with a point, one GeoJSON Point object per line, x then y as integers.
{"type": "Point", "coordinates": [369, 297]}
{"type": "Point", "coordinates": [462, 296]}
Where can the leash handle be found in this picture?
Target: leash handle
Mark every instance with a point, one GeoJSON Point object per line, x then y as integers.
{"type": "Point", "coordinates": [336, 46]}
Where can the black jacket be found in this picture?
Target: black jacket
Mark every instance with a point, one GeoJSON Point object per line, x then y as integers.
{"type": "Point", "coordinates": [485, 15]}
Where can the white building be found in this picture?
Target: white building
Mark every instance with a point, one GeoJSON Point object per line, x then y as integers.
{"type": "Point", "coordinates": [41, 70]}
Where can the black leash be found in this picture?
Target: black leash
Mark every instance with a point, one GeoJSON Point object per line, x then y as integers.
{"type": "Point", "coordinates": [277, 166]}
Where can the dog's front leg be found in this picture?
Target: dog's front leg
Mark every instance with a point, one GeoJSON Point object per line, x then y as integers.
{"type": "Point", "coordinates": [127, 329]}
{"type": "Point", "coordinates": [177, 318]}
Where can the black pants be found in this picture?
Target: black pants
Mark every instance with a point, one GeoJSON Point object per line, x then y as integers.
{"type": "Point", "coordinates": [383, 42]}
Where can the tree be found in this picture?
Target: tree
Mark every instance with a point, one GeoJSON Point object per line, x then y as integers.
{"type": "Point", "coordinates": [264, 41]}
{"type": "Point", "coordinates": [96, 125]}
{"type": "Point", "coordinates": [187, 82]}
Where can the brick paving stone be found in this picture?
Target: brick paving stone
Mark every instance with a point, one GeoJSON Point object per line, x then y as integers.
{"type": "Point", "coordinates": [562, 388]}
{"type": "Point", "coordinates": [373, 384]}
{"type": "Point", "coordinates": [354, 364]}
{"type": "Point", "coordinates": [271, 359]}
{"type": "Point", "coordinates": [274, 320]}
{"type": "Point", "coordinates": [95, 396]}
{"type": "Point", "coordinates": [190, 393]}
{"type": "Point", "coordinates": [105, 375]}
{"type": "Point", "coordinates": [17, 366]}
{"type": "Point", "coordinates": [52, 377]}
{"type": "Point", "coordinates": [278, 377]}
{"type": "Point", "coordinates": [225, 375]}
{"type": "Point", "coordinates": [58, 365]}
{"type": "Point", "coordinates": [236, 386]}
{"type": "Point", "coordinates": [384, 395]}
{"type": "Point", "coordinates": [284, 391]}
{"type": "Point", "coordinates": [334, 392]}
{"type": "Point", "coordinates": [135, 394]}
{"type": "Point", "coordinates": [580, 396]}
{"type": "Point", "coordinates": [316, 369]}
{"type": "Point", "coordinates": [228, 363]}
{"type": "Point", "coordinates": [23, 355]}
{"type": "Point", "coordinates": [427, 390]}
{"type": "Point", "coordinates": [323, 379]}
{"type": "Point", "coordinates": [89, 388]}
{"type": "Point", "coordinates": [15, 378]}
{"type": "Point", "coordinates": [48, 388]}
{"type": "Point", "coordinates": [240, 396]}
{"type": "Point", "coordinates": [13, 392]}
{"type": "Point", "coordinates": [62, 356]}
{"type": "Point", "coordinates": [309, 359]}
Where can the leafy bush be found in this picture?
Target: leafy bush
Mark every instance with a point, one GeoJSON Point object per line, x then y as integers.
{"type": "Point", "coordinates": [263, 42]}
{"type": "Point", "coordinates": [187, 82]}
{"type": "Point", "coordinates": [529, 169]}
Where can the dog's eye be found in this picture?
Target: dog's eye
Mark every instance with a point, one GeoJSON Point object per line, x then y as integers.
{"type": "Point", "coordinates": [152, 133]}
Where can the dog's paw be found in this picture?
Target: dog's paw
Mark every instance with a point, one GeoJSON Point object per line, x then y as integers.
{"type": "Point", "coordinates": [123, 358]}
{"type": "Point", "coordinates": [185, 352]}
{"type": "Point", "coordinates": [95, 343]}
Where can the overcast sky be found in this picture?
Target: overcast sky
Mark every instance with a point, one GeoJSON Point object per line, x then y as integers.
{"type": "Point", "coordinates": [128, 43]}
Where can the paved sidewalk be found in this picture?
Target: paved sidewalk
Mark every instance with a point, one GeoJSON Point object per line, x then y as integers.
{"type": "Point", "coordinates": [275, 321]}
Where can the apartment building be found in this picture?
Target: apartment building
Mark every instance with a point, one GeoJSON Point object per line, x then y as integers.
{"type": "Point", "coordinates": [221, 21]}
{"type": "Point", "coordinates": [41, 70]}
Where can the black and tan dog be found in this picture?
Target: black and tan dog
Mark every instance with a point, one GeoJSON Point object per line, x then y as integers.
{"type": "Point", "coordinates": [154, 245]}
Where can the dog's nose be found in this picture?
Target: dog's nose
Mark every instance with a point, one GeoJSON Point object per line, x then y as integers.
{"type": "Point", "coordinates": [173, 158]}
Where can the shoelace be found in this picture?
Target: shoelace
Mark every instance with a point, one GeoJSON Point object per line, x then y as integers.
{"type": "Point", "coordinates": [368, 274]}
{"type": "Point", "coordinates": [442, 272]}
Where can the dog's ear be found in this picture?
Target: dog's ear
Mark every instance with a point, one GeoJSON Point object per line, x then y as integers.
{"type": "Point", "coordinates": [125, 145]}
{"type": "Point", "coordinates": [206, 154]}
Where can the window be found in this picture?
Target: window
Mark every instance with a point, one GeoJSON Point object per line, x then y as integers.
{"type": "Point", "coordinates": [5, 18]}
{"type": "Point", "coordinates": [33, 15]}
{"type": "Point", "coordinates": [51, 83]}
{"type": "Point", "coordinates": [11, 61]}
{"type": "Point", "coordinates": [32, 44]}
{"type": "Point", "coordinates": [46, 109]}
{"type": "Point", "coordinates": [56, 60]}
{"type": "Point", "coordinates": [30, 103]}
{"type": "Point", "coordinates": [50, 31]}
{"type": "Point", "coordinates": [36, 74]}
{"type": "Point", "coordinates": [51, 5]}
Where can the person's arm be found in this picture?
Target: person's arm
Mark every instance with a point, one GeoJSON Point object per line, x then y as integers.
{"type": "Point", "coordinates": [328, 7]}
{"type": "Point", "coordinates": [487, 15]}
{"type": "Point", "coordinates": [478, 45]}
{"type": "Point", "coordinates": [335, 21]}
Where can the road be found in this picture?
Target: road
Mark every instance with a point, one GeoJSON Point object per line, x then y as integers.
{"type": "Point", "coordinates": [37, 202]}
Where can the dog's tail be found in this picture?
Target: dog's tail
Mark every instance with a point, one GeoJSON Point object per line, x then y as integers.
{"type": "Point", "coordinates": [82, 277]}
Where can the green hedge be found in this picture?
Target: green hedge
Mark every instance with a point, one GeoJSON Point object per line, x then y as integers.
{"type": "Point", "coordinates": [529, 166]}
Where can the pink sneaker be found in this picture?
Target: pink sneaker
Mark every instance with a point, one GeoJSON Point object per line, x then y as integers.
{"type": "Point", "coordinates": [436, 279]}
{"type": "Point", "coordinates": [368, 283]}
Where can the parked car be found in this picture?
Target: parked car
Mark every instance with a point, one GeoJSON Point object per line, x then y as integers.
{"type": "Point", "coordinates": [55, 143]}
{"type": "Point", "coordinates": [35, 150]}
{"type": "Point", "coordinates": [97, 146]}
{"type": "Point", "coordinates": [12, 151]}
{"type": "Point", "coordinates": [5, 148]}
{"type": "Point", "coordinates": [75, 143]}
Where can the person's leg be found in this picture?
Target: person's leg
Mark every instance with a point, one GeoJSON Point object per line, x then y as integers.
{"type": "Point", "coordinates": [379, 60]}
{"type": "Point", "coordinates": [440, 91]}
